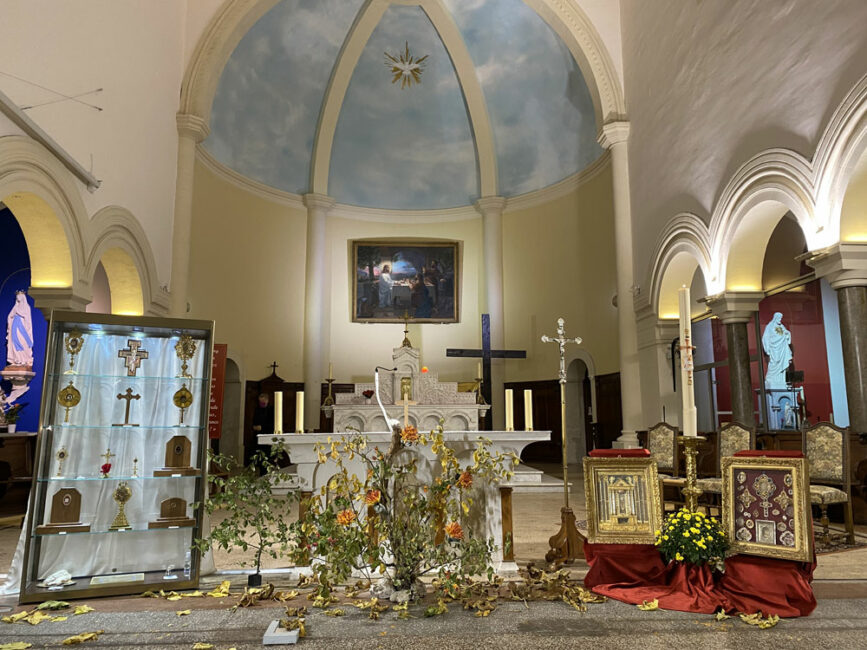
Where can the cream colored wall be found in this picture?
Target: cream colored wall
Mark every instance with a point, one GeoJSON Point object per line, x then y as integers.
{"type": "Point", "coordinates": [559, 262]}
{"type": "Point", "coordinates": [710, 84]}
{"type": "Point", "coordinates": [248, 264]}
{"type": "Point", "coordinates": [247, 274]}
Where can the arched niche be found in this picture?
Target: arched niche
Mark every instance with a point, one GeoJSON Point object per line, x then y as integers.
{"type": "Point", "coordinates": [124, 282]}
{"type": "Point", "coordinates": [853, 213]}
{"type": "Point", "coordinates": [680, 272]}
{"type": "Point", "coordinates": [578, 408]}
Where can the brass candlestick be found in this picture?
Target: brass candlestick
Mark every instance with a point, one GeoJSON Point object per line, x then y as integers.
{"type": "Point", "coordinates": [480, 399]}
{"type": "Point", "coordinates": [691, 491]}
{"type": "Point", "coordinates": [329, 399]}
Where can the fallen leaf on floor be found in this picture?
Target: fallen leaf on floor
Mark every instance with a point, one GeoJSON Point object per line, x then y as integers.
{"type": "Point", "coordinates": [334, 612]}
{"type": "Point", "coordinates": [222, 591]}
{"type": "Point", "coordinates": [36, 617]}
{"type": "Point", "coordinates": [82, 609]}
{"type": "Point", "coordinates": [193, 594]}
{"type": "Point", "coordinates": [82, 638]}
{"type": "Point", "coordinates": [58, 619]}
{"type": "Point", "coordinates": [649, 606]}
{"type": "Point", "coordinates": [15, 645]}
{"type": "Point", "coordinates": [16, 617]}
{"type": "Point", "coordinates": [149, 594]}
{"type": "Point", "coordinates": [721, 615]}
{"type": "Point", "coordinates": [283, 596]}
{"type": "Point", "coordinates": [296, 611]}
{"type": "Point", "coordinates": [53, 604]}
{"type": "Point", "coordinates": [294, 624]}
{"type": "Point", "coordinates": [757, 620]}
{"type": "Point", "coordinates": [436, 610]}
{"type": "Point", "coordinates": [203, 646]}
{"type": "Point", "coordinates": [184, 612]}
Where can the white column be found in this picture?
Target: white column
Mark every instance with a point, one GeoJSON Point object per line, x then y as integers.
{"type": "Point", "coordinates": [614, 137]}
{"type": "Point", "coordinates": [491, 209]}
{"type": "Point", "coordinates": [192, 129]}
{"type": "Point", "coordinates": [316, 305]}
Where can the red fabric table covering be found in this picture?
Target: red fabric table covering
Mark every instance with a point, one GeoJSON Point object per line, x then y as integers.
{"type": "Point", "coordinates": [633, 573]}
{"type": "Point", "coordinates": [619, 453]}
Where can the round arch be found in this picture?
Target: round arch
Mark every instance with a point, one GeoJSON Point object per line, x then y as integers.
{"type": "Point", "coordinates": [46, 203]}
{"type": "Point", "coordinates": [681, 249]}
{"type": "Point", "coordinates": [236, 17]}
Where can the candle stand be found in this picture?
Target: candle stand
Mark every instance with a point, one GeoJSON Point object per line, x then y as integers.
{"type": "Point", "coordinates": [691, 491]}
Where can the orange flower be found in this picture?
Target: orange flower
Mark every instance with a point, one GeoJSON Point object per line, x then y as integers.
{"type": "Point", "coordinates": [345, 517]}
{"type": "Point", "coordinates": [409, 435]}
{"type": "Point", "coordinates": [465, 480]}
{"type": "Point", "coordinates": [454, 530]}
{"type": "Point", "coordinates": [372, 497]}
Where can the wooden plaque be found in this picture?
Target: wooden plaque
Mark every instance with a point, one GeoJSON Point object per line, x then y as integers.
{"type": "Point", "coordinates": [177, 458]}
{"type": "Point", "coordinates": [65, 514]}
{"type": "Point", "coordinates": [173, 512]}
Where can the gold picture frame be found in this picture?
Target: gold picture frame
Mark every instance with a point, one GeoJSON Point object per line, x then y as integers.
{"type": "Point", "coordinates": [414, 279]}
{"type": "Point", "coordinates": [766, 507]}
{"type": "Point", "coordinates": [623, 502]}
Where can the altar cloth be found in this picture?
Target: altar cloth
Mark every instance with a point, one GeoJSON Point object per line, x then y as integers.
{"type": "Point", "coordinates": [634, 573]}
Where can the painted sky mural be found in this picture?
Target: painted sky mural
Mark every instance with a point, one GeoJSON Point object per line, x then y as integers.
{"type": "Point", "coordinates": [409, 148]}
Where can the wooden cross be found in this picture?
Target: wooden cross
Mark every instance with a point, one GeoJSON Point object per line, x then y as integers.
{"type": "Point", "coordinates": [133, 356]}
{"type": "Point", "coordinates": [407, 402]}
{"type": "Point", "coordinates": [486, 354]}
{"type": "Point", "coordinates": [107, 455]}
{"type": "Point", "coordinates": [128, 396]}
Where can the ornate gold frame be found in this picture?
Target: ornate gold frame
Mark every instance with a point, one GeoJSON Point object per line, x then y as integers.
{"type": "Point", "coordinates": [803, 548]}
{"type": "Point", "coordinates": [626, 533]}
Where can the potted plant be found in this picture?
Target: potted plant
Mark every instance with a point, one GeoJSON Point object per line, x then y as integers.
{"type": "Point", "coordinates": [249, 514]}
{"type": "Point", "coordinates": [11, 416]}
{"type": "Point", "coordinates": [392, 523]}
{"type": "Point", "coordinates": [693, 538]}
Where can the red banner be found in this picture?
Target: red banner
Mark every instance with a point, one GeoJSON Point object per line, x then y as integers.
{"type": "Point", "coordinates": [218, 384]}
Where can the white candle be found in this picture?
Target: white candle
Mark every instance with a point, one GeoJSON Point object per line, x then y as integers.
{"type": "Point", "coordinates": [278, 411]}
{"type": "Point", "coordinates": [510, 409]}
{"type": "Point", "coordinates": [330, 370]}
{"type": "Point", "coordinates": [299, 412]}
{"type": "Point", "coordinates": [688, 424]}
{"type": "Point", "coordinates": [528, 409]}
{"type": "Point", "coordinates": [479, 370]}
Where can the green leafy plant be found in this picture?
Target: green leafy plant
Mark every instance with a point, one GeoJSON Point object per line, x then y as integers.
{"type": "Point", "coordinates": [692, 537]}
{"type": "Point", "coordinates": [12, 414]}
{"type": "Point", "coordinates": [253, 516]}
{"type": "Point", "coordinates": [391, 522]}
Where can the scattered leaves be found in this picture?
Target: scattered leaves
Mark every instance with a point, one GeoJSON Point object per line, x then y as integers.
{"type": "Point", "coordinates": [757, 620]}
{"type": "Point", "coordinates": [82, 609]}
{"type": "Point", "coordinates": [721, 615]}
{"type": "Point", "coordinates": [649, 606]}
{"type": "Point", "coordinates": [222, 591]}
{"type": "Point", "coordinates": [15, 645]}
{"type": "Point", "coordinates": [373, 605]}
{"type": "Point", "coordinates": [294, 624]}
{"type": "Point", "coordinates": [82, 638]}
{"type": "Point", "coordinates": [52, 605]}
{"type": "Point", "coordinates": [201, 645]}
{"type": "Point", "coordinates": [283, 596]}
{"type": "Point", "coordinates": [334, 612]}
{"type": "Point", "coordinates": [184, 612]}
{"type": "Point", "coordinates": [436, 610]}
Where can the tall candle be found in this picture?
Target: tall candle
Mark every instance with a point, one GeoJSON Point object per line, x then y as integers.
{"type": "Point", "coordinates": [299, 412]}
{"type": "Point", "coordinates": [528, 410]}
{"type": "Point", "coordinates": [278, 411]}
{"type": "Point", "coordinates": [510, 409]}
{"type": "Point", "coordinates": [479, 370]}
{"type": "Point", "coordinates": [330, 370]}
{"type": "Point", "coordinates": [688, 424]}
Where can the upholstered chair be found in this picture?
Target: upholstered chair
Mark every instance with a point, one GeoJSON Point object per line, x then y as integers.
{"type": "Point", "coordinates": [827, 450]}
{"type": "Point", "coordinates": [733, 437]}
{"type": "Point", "coordinates": [662, 444]}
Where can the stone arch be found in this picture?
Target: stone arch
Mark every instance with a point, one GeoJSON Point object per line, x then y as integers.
{"type": "Point", "coordinates": [841, 153]}
{"type": "Point", "coordinates": [681, 249]}
{"type": "Point", "coordinates": [756, 198]}
{"type": "Point", "coordinates": [236, 17]}
{"type": "Point", "coordinates": [120, 243]}
{"type": "Point", "coordinates": [45, 201]}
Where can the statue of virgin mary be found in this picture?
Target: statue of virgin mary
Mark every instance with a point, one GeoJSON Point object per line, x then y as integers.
{"type": "Point", "coordinates": [19, 334]}
{"type": "Point", "coordinates": [776, 342]}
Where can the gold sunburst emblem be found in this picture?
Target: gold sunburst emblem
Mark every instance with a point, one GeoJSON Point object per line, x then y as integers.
{"type": "Point", "coordinates": [405, 68]}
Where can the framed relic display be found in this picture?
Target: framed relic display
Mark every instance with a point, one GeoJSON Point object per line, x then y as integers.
{"type": "Point", "coordinates": [623, 505]}
{"type": "Point", "coordinates": [766, 508]}
{"type": "Point", "coordinates": [120, 457]}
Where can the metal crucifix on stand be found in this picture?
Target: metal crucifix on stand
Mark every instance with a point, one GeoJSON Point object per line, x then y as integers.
{"type": "Point", "coordinates": [567, 544]}
{"type": "Point", "coordinates": [486, 354]}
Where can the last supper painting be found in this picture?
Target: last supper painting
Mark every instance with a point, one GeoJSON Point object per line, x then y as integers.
{"type": "Point", "coordinates": [398, 280]}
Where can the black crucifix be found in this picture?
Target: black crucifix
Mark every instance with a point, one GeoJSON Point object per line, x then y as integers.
{"type": "Point", "coordinates": [128, 396]}
{"type": "Point", "coordinates": [486, 354]}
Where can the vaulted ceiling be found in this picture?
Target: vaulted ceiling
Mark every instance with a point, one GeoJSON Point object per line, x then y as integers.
{"type": "Point", "coordinates": [306, 103]}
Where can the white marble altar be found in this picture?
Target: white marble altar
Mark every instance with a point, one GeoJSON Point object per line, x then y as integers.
{"type": "Point", "coordinates": [486, 521]}
{"type": "Point", "coordinates": [434, 400]}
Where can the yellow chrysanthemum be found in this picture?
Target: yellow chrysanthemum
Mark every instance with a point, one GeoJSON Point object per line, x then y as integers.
{"type": "Point", "coordinates": [678, 557]}
{"type": "Point", "coordinates": [686, 533]}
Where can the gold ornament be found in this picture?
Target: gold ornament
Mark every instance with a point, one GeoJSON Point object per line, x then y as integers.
{"type": "Point", "coordinates": [404, 67]}
{"type": "Point", "coordinates": [74, 342]}
{"type": "Point", "coordinates": [183, 399]}
{"type": "Point", "coordinates": [185, 349]}
{"type": "Point", "coordinates": [61, 456]}
{"type": "Point", "coordinates": [122, 494]}
{"type": "Point", "coordinates": [68, 398]}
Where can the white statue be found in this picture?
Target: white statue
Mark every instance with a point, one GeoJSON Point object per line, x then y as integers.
{"type": "Point", "coordinates": [776, 342]}
{"type": "Point", "coordinates": [19, 334]}
{"type": "Point", "coordinates": [385, 284]}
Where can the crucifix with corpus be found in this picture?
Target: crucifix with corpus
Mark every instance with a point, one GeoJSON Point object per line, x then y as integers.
{"type": "Point", "coordinates": [486, 354]}
{"type": "Point", "coordinates": [406, 402]}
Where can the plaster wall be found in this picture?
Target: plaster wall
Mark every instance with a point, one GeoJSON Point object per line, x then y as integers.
{"type": "Point", "coordinates": [135, 51]}
{"type": "Point", "coordinates": [7, 127]}
{"type": "Point", "coordinates": [248, 272]}
{"type": "Point", "coordinates": [710, 84]}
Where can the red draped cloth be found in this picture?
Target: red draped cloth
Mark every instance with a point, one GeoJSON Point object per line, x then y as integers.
{"type": "Point", "coordinates": [634, 573]}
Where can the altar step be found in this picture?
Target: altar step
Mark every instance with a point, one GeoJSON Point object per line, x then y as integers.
{"type": "Point", "coordinates": [530, 479]}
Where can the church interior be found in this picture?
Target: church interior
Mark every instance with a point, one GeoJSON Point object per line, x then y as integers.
{"type": "Point", "coordinates": [585, 268]}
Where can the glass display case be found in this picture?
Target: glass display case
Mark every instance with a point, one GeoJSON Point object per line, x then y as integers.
{"type": "Point", "coordinates": [120, 457]}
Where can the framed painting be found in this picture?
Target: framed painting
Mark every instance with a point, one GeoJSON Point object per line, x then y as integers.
{"type": "Point", "coordinates": [623, 504]}
{"type": "Point", "coordinates": [766, 508]}
{"type": "Point", "coordinates": [395, 279]}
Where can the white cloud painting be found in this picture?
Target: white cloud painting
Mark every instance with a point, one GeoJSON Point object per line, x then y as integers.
{"type": "Point", "coordinates": [406, 148]}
